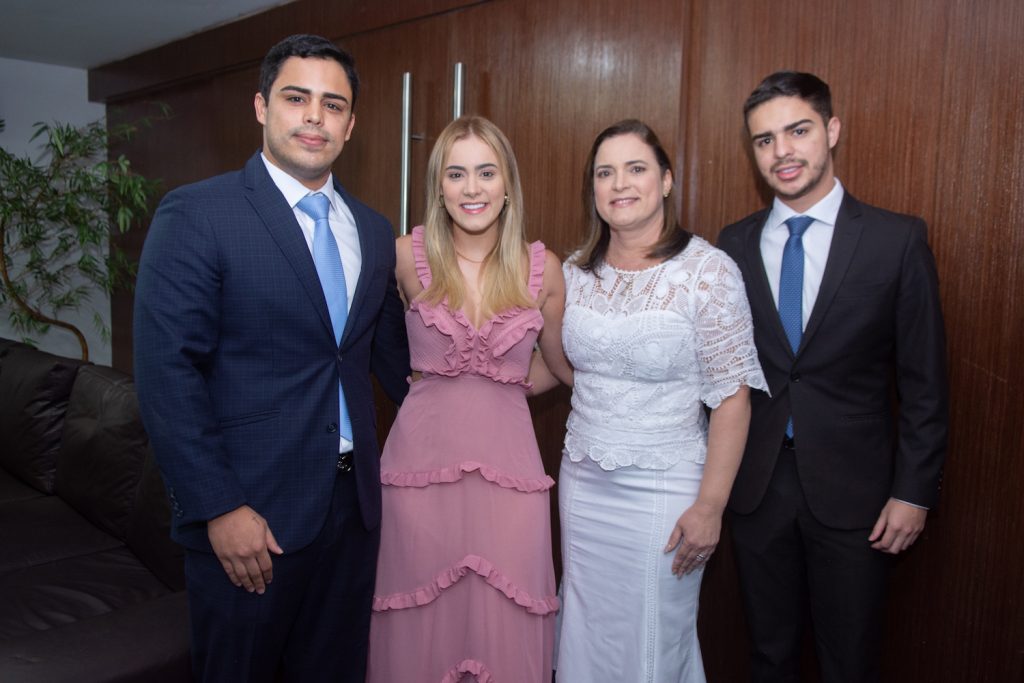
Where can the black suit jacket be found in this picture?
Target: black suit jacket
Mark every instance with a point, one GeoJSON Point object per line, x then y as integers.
{"type": "Point", "coordinates": [236, 363]}
{"type": "Point", "coordinates": [875, 333]}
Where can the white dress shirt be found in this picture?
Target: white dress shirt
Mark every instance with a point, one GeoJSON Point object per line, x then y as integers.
{"type": "Point", "coordinates": [343, 227]}
{"type": "Point", "coordinates": [816, 240]}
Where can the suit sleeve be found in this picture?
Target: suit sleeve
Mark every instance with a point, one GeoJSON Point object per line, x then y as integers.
{"type": "Point", "coordinates": [389, 357]}
{"type": "Point", "coordinates": [176, 329]}
{"type": "Point", "coordinates": [921, 376]}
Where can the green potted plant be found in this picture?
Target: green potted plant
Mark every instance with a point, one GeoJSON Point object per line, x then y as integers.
{"type": "Point", "coordinates": [57, 218]}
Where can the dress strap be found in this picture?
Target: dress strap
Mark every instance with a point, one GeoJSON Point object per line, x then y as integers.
{"type": "Point", "coordinates": [537, 257]}
{"type": "Point", "coordinates": [419, 257]}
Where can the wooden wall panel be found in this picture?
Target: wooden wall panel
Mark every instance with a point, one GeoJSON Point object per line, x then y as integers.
{"type": "Point", "coordinates": [243, 43]}
{"type": "Point", "coordinates": [930, 96]}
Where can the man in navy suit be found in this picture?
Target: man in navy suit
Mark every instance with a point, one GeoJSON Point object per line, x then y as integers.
{"type": "Point", "coordinates": [253, 372]}
{"type": "Point", "coordinates": [833, 482]}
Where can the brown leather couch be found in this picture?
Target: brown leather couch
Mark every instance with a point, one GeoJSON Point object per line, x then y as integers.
{"type": "Point", "coordinates": [91, 586]}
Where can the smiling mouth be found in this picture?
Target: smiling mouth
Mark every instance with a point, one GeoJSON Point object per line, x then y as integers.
{"type": "Point", "coordinates": [788, 170]}
{"type": "Point", "coordinates": [473, 208]}
{"type": "Point", "coordinates": [625, 201]}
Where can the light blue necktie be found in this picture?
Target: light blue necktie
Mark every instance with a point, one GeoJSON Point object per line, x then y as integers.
{"type": "Point", "coordinates": [332, 279]}
{"type": "Point", "coordinates": [791, 287]}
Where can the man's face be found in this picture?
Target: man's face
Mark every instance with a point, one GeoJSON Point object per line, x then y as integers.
{"type": "Point", "coordinates": [307, 118]}
{"type": "Point", "coordinates": [793, 150]}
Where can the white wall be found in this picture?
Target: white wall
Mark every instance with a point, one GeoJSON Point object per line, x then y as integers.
{"type": "Point", "coordinates": [31, 92]}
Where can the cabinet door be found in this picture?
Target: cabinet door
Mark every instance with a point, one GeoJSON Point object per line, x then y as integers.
{"type": "Point", "coordinates": [370, 165]}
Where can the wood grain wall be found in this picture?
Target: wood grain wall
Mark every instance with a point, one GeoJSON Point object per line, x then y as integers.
{"type": "Point", "coordinates": [931, 97]}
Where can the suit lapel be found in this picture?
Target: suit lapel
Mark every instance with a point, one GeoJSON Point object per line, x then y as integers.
{"type": "Point", "coordinates": [759, 288]}
{"type": "Point", "coordinates": [844, 243]}
{"type": "Point", "coordinates": [368, 249]}
{"type": "Point", "coordinates": [279, 220]}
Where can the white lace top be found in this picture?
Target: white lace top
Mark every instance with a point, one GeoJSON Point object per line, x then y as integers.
{"type": "Point", "coordinates": [650, 346]}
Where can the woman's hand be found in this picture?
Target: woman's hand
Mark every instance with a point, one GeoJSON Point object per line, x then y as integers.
{"type": "Point", "coordinates": [694, 537]}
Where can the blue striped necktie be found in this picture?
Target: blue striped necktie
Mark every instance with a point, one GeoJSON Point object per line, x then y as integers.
{"type": "Point", "coordinates": [332, 280]}
{"type": "Point", "coordinates": [791, 287]}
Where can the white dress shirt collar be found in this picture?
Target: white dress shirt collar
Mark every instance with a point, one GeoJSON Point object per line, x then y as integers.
{"type": "Point", "coordinates": [825, 211]}
{"type": "Point", "coordinates": [294, 191]}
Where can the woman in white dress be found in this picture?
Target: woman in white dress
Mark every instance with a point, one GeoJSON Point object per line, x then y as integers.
{"type": "Point", "coordinates": [657, 326]}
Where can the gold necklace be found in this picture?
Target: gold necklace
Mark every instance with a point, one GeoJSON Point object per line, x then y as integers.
{"type": "Point", "coordinates": [466, 258]}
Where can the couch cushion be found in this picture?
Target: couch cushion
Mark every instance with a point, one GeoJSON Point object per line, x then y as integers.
{"type": "Point", "coordinates": [63, 592]}
{"type": "Point", "coordinates": [103, 449]}
{"type": "Point", "coordinates": [149, 534]}
{"type": "Point", "coordinates": [46, 529]}
{"type": "Point", "coordinates": [147, 642]}
{"type": "Point", "coordinates": [34, 390]}
{"type": "Point", "coordinates": [12, 488]}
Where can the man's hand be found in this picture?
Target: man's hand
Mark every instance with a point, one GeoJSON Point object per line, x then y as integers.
{"type": "Point", "coordinates": [241, 540]}
{"type": "Point", "coordinates": [897, 528]}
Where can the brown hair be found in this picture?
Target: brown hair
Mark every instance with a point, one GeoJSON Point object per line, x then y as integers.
{"type": "Point", "coordinates": [673, 238]}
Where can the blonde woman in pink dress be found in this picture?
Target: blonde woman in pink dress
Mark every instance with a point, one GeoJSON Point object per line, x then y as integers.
{"type": "Point", "coordinates": [465, 583]}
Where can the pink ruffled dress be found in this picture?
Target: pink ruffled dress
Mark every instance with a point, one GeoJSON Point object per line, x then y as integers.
{"type": "Point", "coordinates": [465, 582]}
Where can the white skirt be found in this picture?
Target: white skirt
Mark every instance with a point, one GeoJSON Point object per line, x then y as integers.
{"type": "Point", "coordinates": [624, 616]}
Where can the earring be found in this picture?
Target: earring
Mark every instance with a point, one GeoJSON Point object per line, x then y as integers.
{"type": "Point", "coordinates": [665, 196]}
{"type": "Point", "coordinates": [506, 200]}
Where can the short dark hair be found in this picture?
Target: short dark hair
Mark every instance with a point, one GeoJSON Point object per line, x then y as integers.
{"type": "Point", "coordinates": [807, 87]}
{"type": "Point", "coordinates": [306, 46]}
{"type": "Point", "coordinates": [673, 238]}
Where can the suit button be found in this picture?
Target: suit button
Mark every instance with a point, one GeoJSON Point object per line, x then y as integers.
{"type": "Point", "coordinates": [795, 377]}
{"type": "Point", "coordinates": [331, 428]}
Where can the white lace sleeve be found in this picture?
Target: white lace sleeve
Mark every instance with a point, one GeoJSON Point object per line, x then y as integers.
{"type": "Point", "coordinates": [725, 332]}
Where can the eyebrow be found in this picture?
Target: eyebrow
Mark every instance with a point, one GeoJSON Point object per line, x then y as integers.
{"type": "Point", "coordinates": [454, 167]}
{"type": "Point", "coordinates": [628, 163]}
{"type": "Point", "coordinates": [792, 126]}
{"type": "Point", "coordinates": [307, 91]}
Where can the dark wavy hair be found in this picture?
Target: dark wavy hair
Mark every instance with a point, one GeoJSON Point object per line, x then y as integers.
{"type": "Point", "coordinates": [807, 87]}
{"type": "Point", "coordinates": [673, 238]}
{"type": "Point", "coordinates": [305, 45]}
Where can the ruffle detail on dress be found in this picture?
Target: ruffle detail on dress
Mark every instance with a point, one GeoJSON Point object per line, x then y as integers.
{"type": "Point", "coordinates": [713, 396]}
{"type": "Point", "coordinates": [459, 353]}
{"type": "Point", "coordinates": [499, 334]}
{"type": "Point", "coordinates": [449, 577]}
{"type": "Point", "coordinates": [448, 475]}
{"type": "Point", "coordinates": [537, 258]}
{"type": "Point", "coordinates": [468, 666]}
{"type": "Point", "coordinates": [613, 457]}
{"type": "Point", "coordinates": [419, 257]}
{"type": "Point", "coordinates": [508, 329]}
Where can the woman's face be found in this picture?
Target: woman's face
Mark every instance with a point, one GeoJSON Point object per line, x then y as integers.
{"type": "Point", "coordinates": [472, 186]}
{"type": "Point", "coordinates": [629, 185]}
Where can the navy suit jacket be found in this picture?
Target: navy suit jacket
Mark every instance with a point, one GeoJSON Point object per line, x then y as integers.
{"type": "Point", "coordinates": [236, 363]}
{"type": "Point", "coordinates": [875, 332]}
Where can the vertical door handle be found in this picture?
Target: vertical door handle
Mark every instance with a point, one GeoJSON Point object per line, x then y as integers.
{"type": "Point", "coordinates": [403, 201]}
{"type": "Point", "coordinates": [457, 91]}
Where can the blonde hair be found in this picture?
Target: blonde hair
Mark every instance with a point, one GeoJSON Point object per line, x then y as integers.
{"type": "Point", "coordinates": [506, 268]}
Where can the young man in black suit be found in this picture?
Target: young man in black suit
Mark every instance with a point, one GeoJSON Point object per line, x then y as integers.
{"type": "Point", "coordinates": [834, 482]}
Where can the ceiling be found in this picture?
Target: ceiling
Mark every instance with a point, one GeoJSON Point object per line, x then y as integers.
{"type": "Point", "coordinates": [89, 33]}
